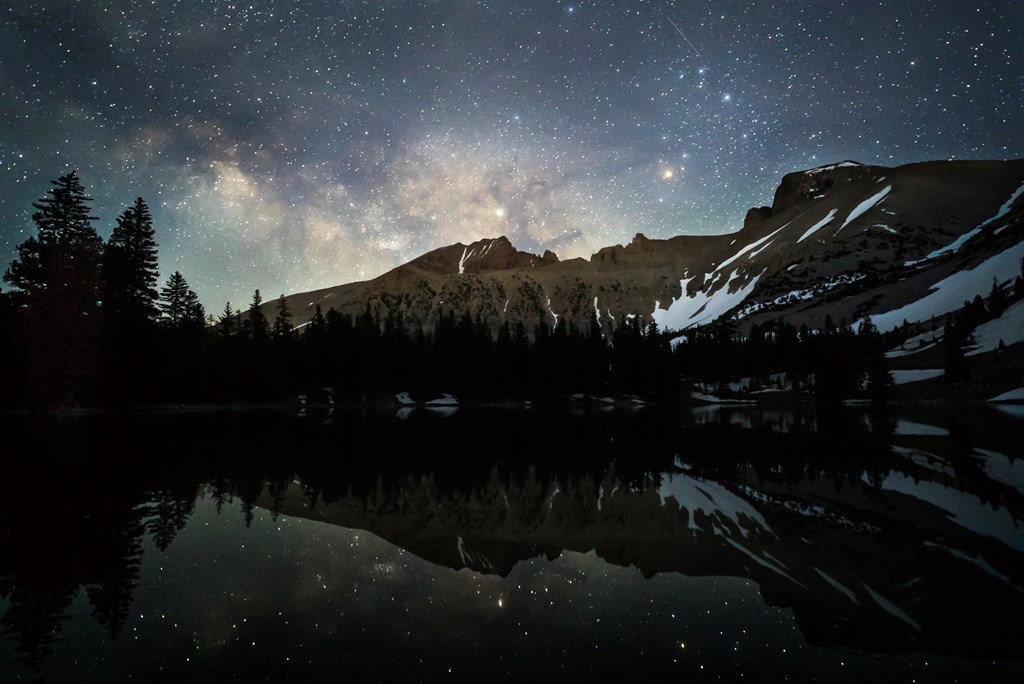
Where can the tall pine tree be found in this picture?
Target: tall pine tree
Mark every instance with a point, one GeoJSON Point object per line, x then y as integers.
{"type": "Point", "coordinates": [174, 301]}
{"type": "Point", "coordinates": [61, 265]}
{"type": "Point", "coordinates": [227, 322]}
{"type": "Point", "coordinates": [130, 269]}
{"type": "Point", "coordinates": [283, 321]}
{"type": "Point", "coordinates": [260, 328]}
{"type": "Point", "coordinates": [57, 277]}
{"type": "Point", "coordinates": [129, 304]}
{"type": "Point", "coordinates": [195, 313]}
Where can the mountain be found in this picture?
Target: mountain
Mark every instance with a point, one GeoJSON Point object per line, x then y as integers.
{"type": "Point", "coordinates": [847, 240]}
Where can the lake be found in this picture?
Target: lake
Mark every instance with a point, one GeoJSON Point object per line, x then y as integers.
{"type": "Point", "coordinates": [492, 544]}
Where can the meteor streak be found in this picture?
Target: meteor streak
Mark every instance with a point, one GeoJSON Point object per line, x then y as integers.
{"type": "Point", "coordinates": [680, 32]}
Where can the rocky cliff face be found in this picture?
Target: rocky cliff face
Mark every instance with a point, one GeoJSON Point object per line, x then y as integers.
{"type": "Point", "coordinates": [846, 239]}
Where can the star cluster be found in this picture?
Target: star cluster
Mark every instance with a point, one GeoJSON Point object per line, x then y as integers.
{"type": "Point", "coordinates": [296, 144]}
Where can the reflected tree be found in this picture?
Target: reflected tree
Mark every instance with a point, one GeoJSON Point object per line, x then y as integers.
{"type": "Point", "coordinates": [169, 512]}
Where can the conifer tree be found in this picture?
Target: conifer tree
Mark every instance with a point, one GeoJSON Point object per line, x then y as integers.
{"type": "Point", "coordinates": [130, 269]}
{"type": "Point", "coordinates": [60, 266]}
{"type": "Point", "coordinates": [997, 300]}
{"type": "Point", "coordinates": [174, 300]}
{"type": "Point", "coordinates": [257, 319]}
{"type": "Point", "coordinates": [195, 313]}
{"type": "Point", "coordinates": [129, 303]}
{"type": "Point", "coordinates": [226, 322]}
{"type": "Point", "coordinates": [317, 324]}
{"type": "Point", "coordinates": [58, 291]}
{"type": "Point", "coordinates": [283, 322]}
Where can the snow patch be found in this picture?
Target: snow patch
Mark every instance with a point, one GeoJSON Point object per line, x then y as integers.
{"type": "Point", "coordinates": [712, 399]}
{"type": "Point", "coordinates": [813, 229]}
{"type": "Point", "coordinates": [713, 500]}
{"type": "Point", "coordinates": [702, 307]}
{"type": "Point", "coordinates": [906, 428]}
{"type": "Point", "coordinates": [1012, 395]}
{"type": "Point", "coordinates": [551, 501]}
{"type": "Point", "coordinates": [1005, 209]}
{"type": "Point", "coordinates": [838, 587]}
{"type": "Point", "coordinates": [802, 295]}
{"type": "Point", "coordinates": [953, 246]}
{"type": "Point", "coordinates": [865, 206]}
{"type": "Point", "coordinates": [1009, 328]}
{"type": "Point", "coordinates": [903, 377]}
{"type": "Point", "coordinates": [976, 560]}
{"type": "Point", "coordinates": [751, 246]}
{"type": "Point", "coordinates": [761, 561]}
{"type": "Point", "coordinates": [829, 167]}
{"type": "Point", "coordinates": [917, 343]}
{"type": "Point", "coordinates": [892, 608]}
{"type": "Point", "coordinates": [950, 293]}
{"type": "Point", "coordinates": [966, 510]}
{"type": "Point", "coordinates": [1002, 468]}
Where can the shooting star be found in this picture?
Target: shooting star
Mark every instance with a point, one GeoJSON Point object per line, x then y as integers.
{"type": "Point", "coordinates": [680, 32]}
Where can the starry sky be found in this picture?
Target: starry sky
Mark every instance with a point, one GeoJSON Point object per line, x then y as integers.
{"type": "Point", "coordinates": [288, 145]}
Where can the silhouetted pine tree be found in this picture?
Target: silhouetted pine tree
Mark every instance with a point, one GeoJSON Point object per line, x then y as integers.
{"type": "Point", "coordinates": [259, 327]}
{"type": "Point", "coordinates": [997, 300]}
{"type": "Point", "coordinates": [195, 313]}
{"type": "Point", "coordinates": [283, 321]}
{"type": "Point", "coordinates": [872, 348]}
{"type": "Point", "coordinates": [174, 301]}
{"type": "Point", "coordinates": [130, 270]}
{"type": "Point", "coordinates": [227, 322]}
{"type": "Point", "coordinates": [129, 304]}
{"type": "Point", "coordinates": [62, 264]}
{"type": "Point", "coordinates": [58, 281]}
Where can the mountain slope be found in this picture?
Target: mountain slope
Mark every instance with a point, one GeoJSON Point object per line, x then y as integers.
{"type": "Point", "coordinates": [843, 240]}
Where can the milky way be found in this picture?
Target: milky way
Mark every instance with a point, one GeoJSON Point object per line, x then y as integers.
{"type": "Point", "coordinates": [290, 145]}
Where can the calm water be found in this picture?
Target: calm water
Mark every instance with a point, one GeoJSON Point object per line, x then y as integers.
{"type": "Point", "coordinates": [489, 545]}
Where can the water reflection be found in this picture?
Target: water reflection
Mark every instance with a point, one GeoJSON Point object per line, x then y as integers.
{"type": "Point", "coordinates": [882, 534]}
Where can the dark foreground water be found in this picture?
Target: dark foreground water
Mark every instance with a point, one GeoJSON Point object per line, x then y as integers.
{"type": "Point", "coordinates": [550, 544]}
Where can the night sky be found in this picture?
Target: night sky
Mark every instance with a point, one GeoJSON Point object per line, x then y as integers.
{"type": "Point", "coordinates": [288, 145]}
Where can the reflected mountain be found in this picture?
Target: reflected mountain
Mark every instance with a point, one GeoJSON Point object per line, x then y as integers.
{"type": "Point", "coordinates": [878, 565]}
{"type": "Point", "coordinates": [884, 535]}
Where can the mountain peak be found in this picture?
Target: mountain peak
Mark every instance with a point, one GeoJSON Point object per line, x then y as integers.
{"type": "Point", "coordinates": [812, 184]}
{"type": "Point", "coordinates": [496, 254]}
